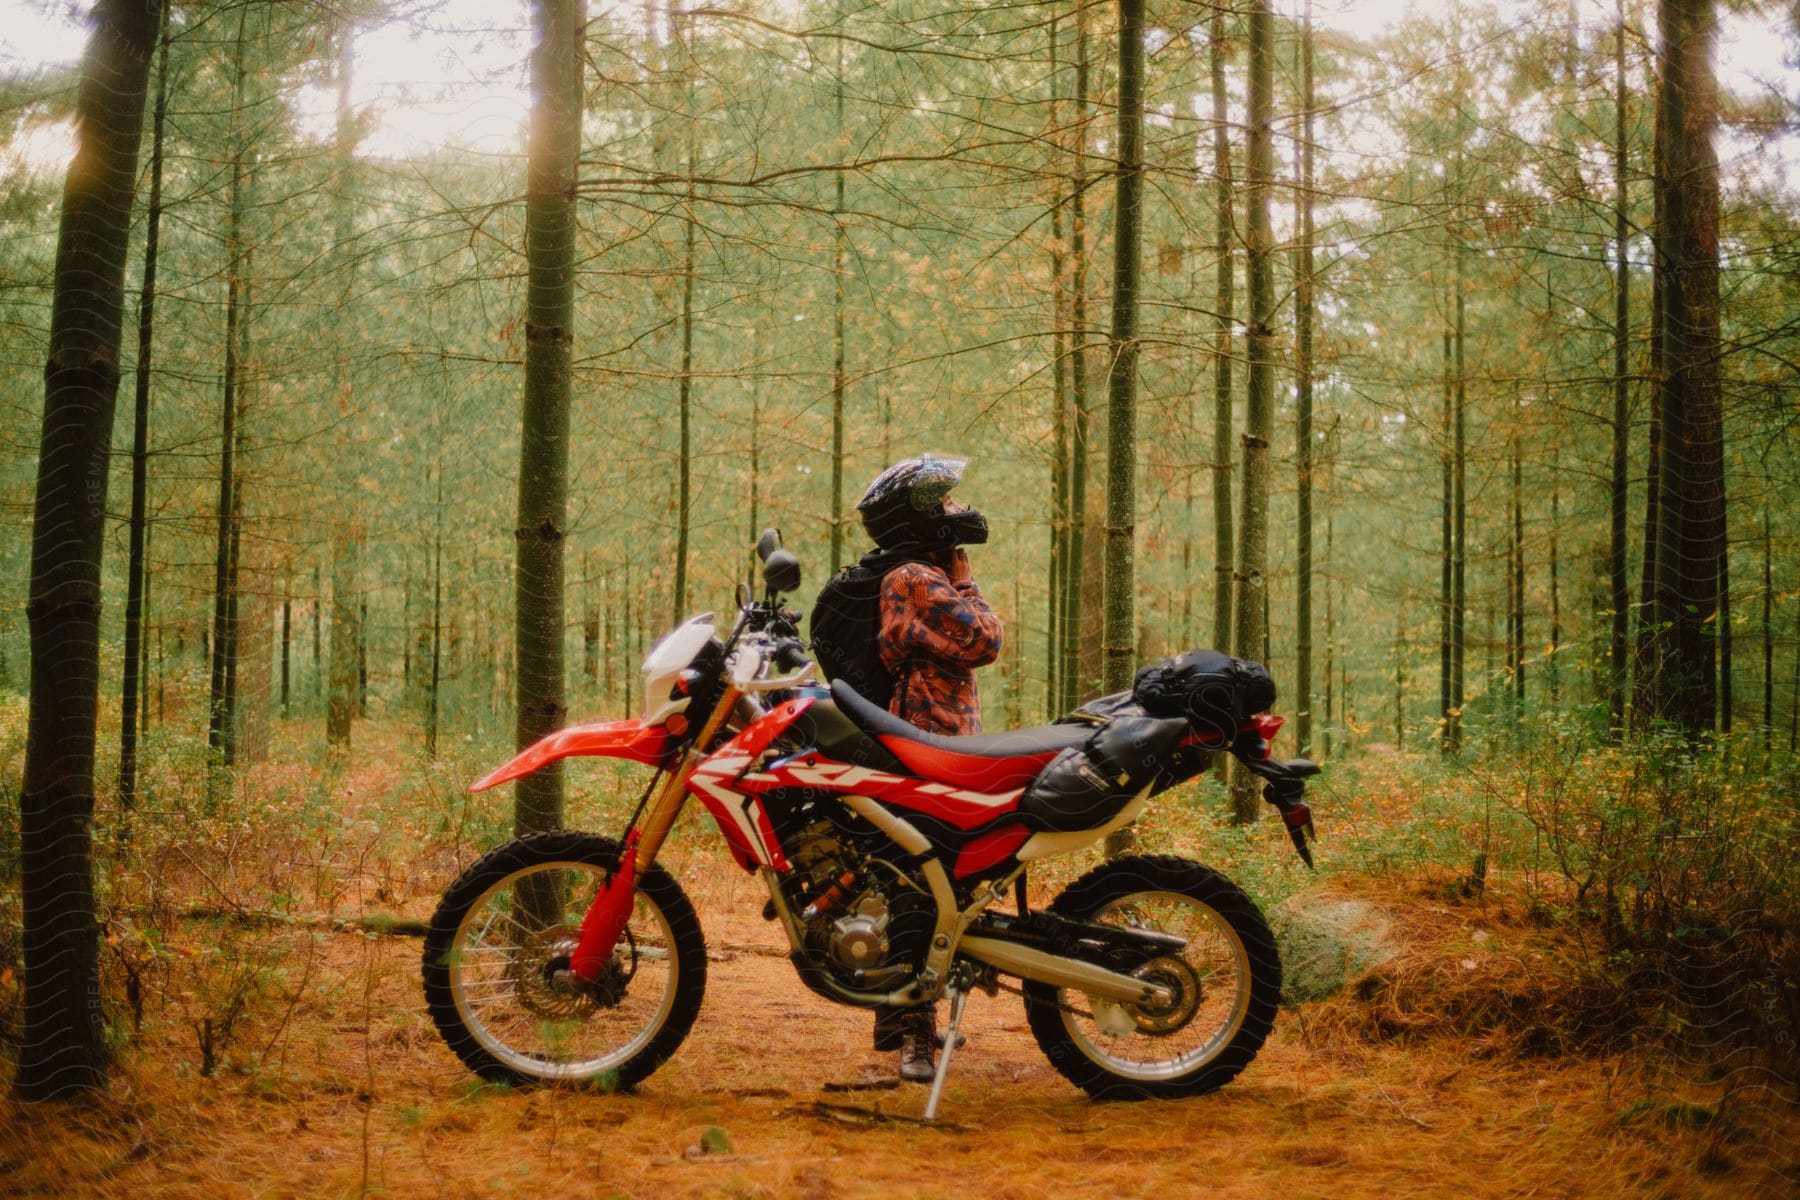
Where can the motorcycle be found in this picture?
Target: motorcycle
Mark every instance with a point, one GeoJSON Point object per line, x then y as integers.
{"type": "Point", "coordinates": [888, 854]}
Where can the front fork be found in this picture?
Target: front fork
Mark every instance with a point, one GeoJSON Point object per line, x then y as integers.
{"type": "Point", "coordinates": [611, 910]}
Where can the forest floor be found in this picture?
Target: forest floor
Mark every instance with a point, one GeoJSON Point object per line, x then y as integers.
{"type": "Point", "coordinates": [1432, 1080]}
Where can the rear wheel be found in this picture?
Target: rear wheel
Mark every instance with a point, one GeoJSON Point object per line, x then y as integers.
{"type": "Point", "coordinates": [496, 967]}
{"type": "Point", "coordinates": [1224, 985]}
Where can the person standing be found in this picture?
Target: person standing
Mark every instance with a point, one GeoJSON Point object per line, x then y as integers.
{"type": "Point", "coordinates": [935, 628]}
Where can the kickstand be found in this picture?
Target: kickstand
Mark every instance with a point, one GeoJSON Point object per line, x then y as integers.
{"type": "Point", "coordinates": [959, 998]}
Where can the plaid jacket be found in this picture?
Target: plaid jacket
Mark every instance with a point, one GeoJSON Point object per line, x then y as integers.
{"type": "Point", "coordinates": [933, 635]}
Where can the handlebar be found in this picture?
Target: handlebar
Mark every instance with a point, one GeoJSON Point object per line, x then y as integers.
{"type": "Point", "coordinates": [768, 634]}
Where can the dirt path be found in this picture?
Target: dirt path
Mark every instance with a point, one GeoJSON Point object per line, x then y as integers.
{"type": "Point", "coordinates": [359, 1097]}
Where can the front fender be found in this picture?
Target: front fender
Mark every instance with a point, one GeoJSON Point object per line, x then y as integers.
{"type": "Point", "coordinates": [609, 739]}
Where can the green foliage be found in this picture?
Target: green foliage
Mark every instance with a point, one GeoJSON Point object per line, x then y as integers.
{"type": "Point", "coordinates": [1674, 862]}
{"type": "Point", "coordinates": [13, 711]}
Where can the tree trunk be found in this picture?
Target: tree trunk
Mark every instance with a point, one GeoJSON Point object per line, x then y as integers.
{"type": "Point", "coordinates": [134, 658]}
{"type": "Point", "coordinates": [437, 606]}
{"type": "Point", "coordinates": [341, 691]}
{"type": "Point", "coordinates": [1768, 635]}
{"type": "Point", "coordinates": [685, 397]}
{"type": "Point", "coordinates": [236, 722]}
{"type": "Point", "coordinates": [1253, 547]}
{"type": "Point", "coordinates": [839, 264]}
{"type": "Point", "coordinates": [287, 634]}
{"type": "Point", "coordinates": [1059, 404]}
{"type": "Point", "coordinates": [1303, 400]}
{"type": "Point", "coordinates": [1621, 420]}
{"type": "Point", "coordinates": [1121, 407]}
{"type": "Point", "coordinates": [1515, 597]}
{"type": "Point", "coordinates": [554, 143]}
{"type": "Point", "coordinates": [1691, 520]}
{"type": "Point", "coordinates": [149, 576]}
{"type": "Point", "coordinates": [755, 446]}
{"type": "Point", "coordinates": [219, 716]}
{"type": "Point", "coordinates": [362, 657]}
{"type": "Point", "coordinates": [1330, 632]}
{"type": "Point", "coordinates": [1075, 684]}
{"type": "Point", "coordinates": [1554, 669]}
{"type": "Point", "coordinates": [1459, 588]}
{"type": "Point", "coordinates": [1447, 715]}
{"type": "Point", "coordinates": [1122, 355]}
{"type": "Point", "coordinates": [62, 1050]}
{"type": "Point", "coordinates": [1644, 699]}
{"type": "Point", "coordinates": [625, 639]}
{"type": "Point", "coordinates": [1224, 284]}
{"type": "Point", "coordinates": [228, 747]}
{"type": "Point", "coordinates": [1399, 678]}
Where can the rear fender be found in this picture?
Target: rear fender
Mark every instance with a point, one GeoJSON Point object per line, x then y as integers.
{"type": "Point", "coordinates": [630, 739]}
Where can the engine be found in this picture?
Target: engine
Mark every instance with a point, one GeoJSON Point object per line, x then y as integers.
{"type": "Point", "coordinates": [863, 918]}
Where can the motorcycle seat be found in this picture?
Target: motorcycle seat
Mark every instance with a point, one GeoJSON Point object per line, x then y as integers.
{"type": "Point", "coordinates": [990, 761]}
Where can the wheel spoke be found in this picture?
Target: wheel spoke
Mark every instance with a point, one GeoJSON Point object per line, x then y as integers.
{"type": "Point", "coordinates": [514, 992]}
{"type": "Point", "coordinates": [1217, 971]}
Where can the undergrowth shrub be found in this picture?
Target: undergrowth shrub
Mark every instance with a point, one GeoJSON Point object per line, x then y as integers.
{"type": "Point", "coordinates": [1671, 865]}
{"type": "Point", "coordinates": [1679, 858]}
{"type": "Point", "coordinates": [12, 930]}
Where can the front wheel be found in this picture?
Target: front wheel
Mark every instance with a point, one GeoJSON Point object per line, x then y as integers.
{"type": "Point", "coordinates": [1224, 985]}
{"type": "Point", "coordinates": [497, 977]}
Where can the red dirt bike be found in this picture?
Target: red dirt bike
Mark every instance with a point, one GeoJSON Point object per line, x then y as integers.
{"type": "Point", "coordinates": [564, 957]}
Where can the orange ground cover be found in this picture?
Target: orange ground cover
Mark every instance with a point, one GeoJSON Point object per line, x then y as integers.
{"type": "Point", "coordinates": [356, 1096]}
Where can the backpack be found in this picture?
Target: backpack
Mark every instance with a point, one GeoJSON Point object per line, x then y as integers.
{"type": "Point", "coordinates": [846, 625]}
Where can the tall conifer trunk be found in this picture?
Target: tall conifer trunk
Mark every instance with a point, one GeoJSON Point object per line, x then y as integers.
{"type": "Point", "coordinates": [1223, 287]}
{"type": "Point", "coordinates": [1690, 565]}
{"type": "Point", "coordinates": [219, 715]}
{"type": "Point", "coordinates": [287, 635]}
{"type": "Point", "coordinates": [1553, 667]}
{"type": "Point", "coordinates": [341, 690]}
{"type": "Point", "coordinates": [134, 657]}
{"type": "Point", "coordinates": [1121, 408]}
{"type": "Point", "coordinates": [839, 263]}
{"type": "Point", "coordinates": [1059, 399]}
{"type": "Point", "coordinates": [437, 603]}
{"type": "Point", "coordinates": [1620, 633]}
{"type": "Point", "coordinates": [1447, 716]}
{"type": "Point", "coordinates": [550, 229]}
{"type": "Point", "coordinates": [1459, 590]}
{"type": "Point", "coordinates": [1330, 625]}
{"type": "Point", "coordinates": [1250, 601]}
{"type": "Point", "coordinates": [1768, 634]}
{"type": "Point", "coordinates": [1303, 400]}
{"type": "Point", "coordinates": [1121, 416]}
{"type": "Point", "coordinates": [63, 1050]}
{"type": "Point", "coordinates": [684, 504]}
{"type": "Point", "coordinates": [1515, 596]}
{"type": "Point", "coordinates": [1075, 684]}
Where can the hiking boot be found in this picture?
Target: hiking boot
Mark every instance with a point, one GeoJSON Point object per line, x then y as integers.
{"type": "Point", "coordinates": [918, 1042]}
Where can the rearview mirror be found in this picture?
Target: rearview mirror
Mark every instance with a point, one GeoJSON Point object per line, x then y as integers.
{"type": "Point", "coordinates": [768, 543]}
{"type": "Point", "coordinates": [781, 570]}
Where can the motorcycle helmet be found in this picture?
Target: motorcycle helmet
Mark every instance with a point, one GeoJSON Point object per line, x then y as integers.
{"type": "Point", "coordinates": [904, 508]}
